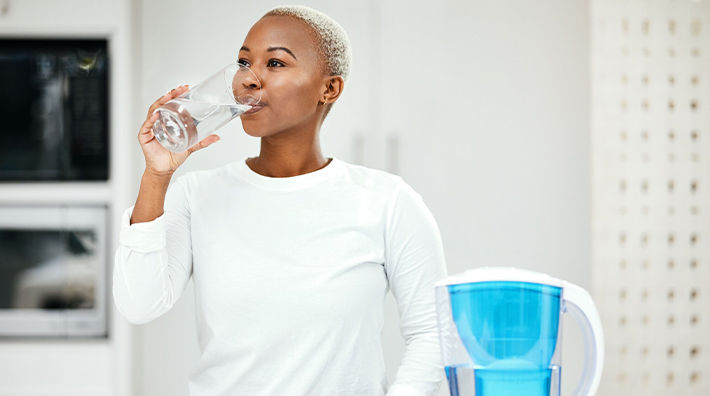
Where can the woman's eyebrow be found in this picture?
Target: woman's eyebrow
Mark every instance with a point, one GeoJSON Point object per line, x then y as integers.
{"type": "Point", "coordinates": [273, 49]}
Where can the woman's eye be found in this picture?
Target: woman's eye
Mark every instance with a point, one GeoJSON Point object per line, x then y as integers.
{"type": "Point", "coordinates": [272, 62]}
{"type": "Point", "coordinates": [276, 62]}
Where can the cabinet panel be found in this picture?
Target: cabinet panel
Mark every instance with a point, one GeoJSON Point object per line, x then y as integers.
{"type": "Point", "coordinates": [57, 17]}
{"type": "Point", "coordinates": [487, 105]}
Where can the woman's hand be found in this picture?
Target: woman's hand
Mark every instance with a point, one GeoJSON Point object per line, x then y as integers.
{"type": "Point", "coordinates": [159, 160]}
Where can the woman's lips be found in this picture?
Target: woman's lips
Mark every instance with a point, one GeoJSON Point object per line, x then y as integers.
{"type": "Point", "coordinates": [255, 108]}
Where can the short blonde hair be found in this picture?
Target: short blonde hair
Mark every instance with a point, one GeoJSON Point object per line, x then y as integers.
{"type": "Point", "coordinates": [333, 40]}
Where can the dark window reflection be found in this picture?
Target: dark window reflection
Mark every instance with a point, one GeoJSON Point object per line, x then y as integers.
{"type": "Point", "coordinates": [47, 269]}
{"type": "Point", "coordinates": [54, 105]}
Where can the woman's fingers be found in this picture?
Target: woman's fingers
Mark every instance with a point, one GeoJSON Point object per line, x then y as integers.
{"type": "Point", "coordinates": [172, 94]}
{"type": "Point", "coordinates": [147, 126]}
{"type": "Point", "coordinates": [213, 138]}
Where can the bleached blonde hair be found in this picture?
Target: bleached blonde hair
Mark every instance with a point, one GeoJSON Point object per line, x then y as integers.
{"type": "Point", "coordinates": [333, 40]}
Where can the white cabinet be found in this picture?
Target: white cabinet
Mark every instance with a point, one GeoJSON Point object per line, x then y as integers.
{"type": "Point", "coordinates": [348, 131]}
{"type": "Point", "coordinates": [76, 366]}
{"type": "Point", "coordinates": [488, 105]}
{"type": "Point", "coordinates": [57, 17]}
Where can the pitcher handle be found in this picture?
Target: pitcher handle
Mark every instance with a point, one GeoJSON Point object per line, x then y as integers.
{"type": "Point", "coordinates": [581, 306]}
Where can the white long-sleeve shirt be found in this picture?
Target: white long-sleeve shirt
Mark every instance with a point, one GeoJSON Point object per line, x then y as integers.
{"type": "Point", "coordinates": [290, 276]}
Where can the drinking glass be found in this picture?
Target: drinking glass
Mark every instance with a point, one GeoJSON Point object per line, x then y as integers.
{"type": "Point", "coordinates": [206, 107]}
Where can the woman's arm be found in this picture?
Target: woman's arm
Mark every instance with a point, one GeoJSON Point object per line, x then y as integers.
{"type": "Point", "coordinates": [151, 197]}
{"type": "Point", "coordinates": [153, 261]}
{"type": "Point", "coordinates": [414, 262]}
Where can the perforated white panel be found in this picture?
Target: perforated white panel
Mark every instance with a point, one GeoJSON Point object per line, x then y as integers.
{"type": "Point", "coordinates": [651, 185]}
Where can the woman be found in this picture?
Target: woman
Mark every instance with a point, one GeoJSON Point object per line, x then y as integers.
{"type": "Point", "coordinates": [291, 253]}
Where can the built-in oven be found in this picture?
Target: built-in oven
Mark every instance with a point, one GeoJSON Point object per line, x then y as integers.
{"type": "Point", "coordinates": [53, 270]}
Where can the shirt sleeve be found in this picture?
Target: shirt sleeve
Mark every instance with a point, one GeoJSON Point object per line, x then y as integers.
{"type": "Point", "coordinates": [414, 262]}
{"type": "Point", "coordinates": [153, 261]}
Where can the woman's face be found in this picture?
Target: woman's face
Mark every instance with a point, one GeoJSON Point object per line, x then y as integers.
{"type": "Point", "coordinates": [283, 54]}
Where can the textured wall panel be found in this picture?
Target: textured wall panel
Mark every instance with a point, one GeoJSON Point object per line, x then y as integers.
{"type": "Point", "coordinates": [651, 201]}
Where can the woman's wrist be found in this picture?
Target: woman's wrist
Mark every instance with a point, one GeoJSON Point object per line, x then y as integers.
{"type": "Point", "coordinates": [151, 197]}
{"type": "Point", "coordinates": [157, 175]}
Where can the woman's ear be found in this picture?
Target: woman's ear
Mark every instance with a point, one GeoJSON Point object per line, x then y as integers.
{"type": "Point", "coordinates": [333, 87]}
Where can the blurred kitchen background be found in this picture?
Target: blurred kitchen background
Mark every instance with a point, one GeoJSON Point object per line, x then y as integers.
{"type": "Point", "coordinates": [566, 136]}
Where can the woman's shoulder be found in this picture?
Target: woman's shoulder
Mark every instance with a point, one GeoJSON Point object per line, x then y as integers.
{"type": "Point", "coordinates": [373, 178]}
{"type": "Point", "coordinates": [392, 185]}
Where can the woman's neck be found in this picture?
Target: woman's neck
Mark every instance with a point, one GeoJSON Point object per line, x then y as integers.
{"type": "Point", "coordinates": [287, 161]}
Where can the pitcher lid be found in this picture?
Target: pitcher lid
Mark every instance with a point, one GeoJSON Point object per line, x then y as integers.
{"type": "Point", "coordinates": [504, 274]}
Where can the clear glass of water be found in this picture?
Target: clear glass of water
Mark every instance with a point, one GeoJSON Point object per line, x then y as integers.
{"type": "Point", "coordinates": [206, 107]}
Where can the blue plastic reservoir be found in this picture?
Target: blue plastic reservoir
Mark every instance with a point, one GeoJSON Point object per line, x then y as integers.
{"type": "Point", "coordinates": [510, 330]}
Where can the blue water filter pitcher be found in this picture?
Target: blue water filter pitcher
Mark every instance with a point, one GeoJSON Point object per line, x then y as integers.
{"type": "Point", "coordinates": [500, 332]}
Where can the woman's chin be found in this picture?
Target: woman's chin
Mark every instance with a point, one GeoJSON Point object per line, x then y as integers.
{"type": "Point", "coordinates": [256, 132]}
{"type": "Point", "coordinates": [253, 133]}
{"type": "Point", "coordinates": [252, 129]}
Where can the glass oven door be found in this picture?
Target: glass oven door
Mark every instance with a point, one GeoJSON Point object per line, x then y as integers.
{"type": "Point", "coordinates": [53, 266]}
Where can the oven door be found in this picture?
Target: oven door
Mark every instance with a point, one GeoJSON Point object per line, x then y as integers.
{"type": "Point", "coordinates": [53, 262]}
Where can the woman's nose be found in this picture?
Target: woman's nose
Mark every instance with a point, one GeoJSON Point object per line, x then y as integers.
{"type": "Point", "coordinates": [251, 80]}
{"type": "Point", "coordinates": [247, 86]}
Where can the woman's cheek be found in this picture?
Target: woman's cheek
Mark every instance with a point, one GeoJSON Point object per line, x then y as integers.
{"type": "Point", "coordinates": [291, 94]}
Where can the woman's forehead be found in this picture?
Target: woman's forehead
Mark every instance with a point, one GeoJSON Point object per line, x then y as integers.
{"type": "Point", "coordinates": [282, 31]}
